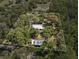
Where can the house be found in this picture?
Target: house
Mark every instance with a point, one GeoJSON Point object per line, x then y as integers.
{"type": "Point", "coordinates": [37, 42]}
{"type": "Point", "coordinates": [37, 26]}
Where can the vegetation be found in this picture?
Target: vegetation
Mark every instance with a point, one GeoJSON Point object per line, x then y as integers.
{"type": "Point", "coordinates": [14, 28]}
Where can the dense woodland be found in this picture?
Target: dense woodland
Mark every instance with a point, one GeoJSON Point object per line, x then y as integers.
{"type": "Point", "coordinates": [10, 12]}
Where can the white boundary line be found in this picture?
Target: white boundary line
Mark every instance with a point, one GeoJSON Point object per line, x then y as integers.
{"type": "Point", "coordinates": [78, 29]}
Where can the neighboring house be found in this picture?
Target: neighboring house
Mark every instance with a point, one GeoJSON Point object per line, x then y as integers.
{"type": "Point", "coordinates": [37, 42]}
{"type": "Point", "coordinates": [37, 26]}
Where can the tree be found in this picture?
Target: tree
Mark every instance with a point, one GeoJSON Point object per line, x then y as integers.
{"type": "Point", "coordinates": [48, 31]}
{"type": "Point", "coordinates": [17, 36]}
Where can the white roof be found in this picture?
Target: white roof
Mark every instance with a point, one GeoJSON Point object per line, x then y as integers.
{"type": "Point", "coordinates": [37, 26]}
